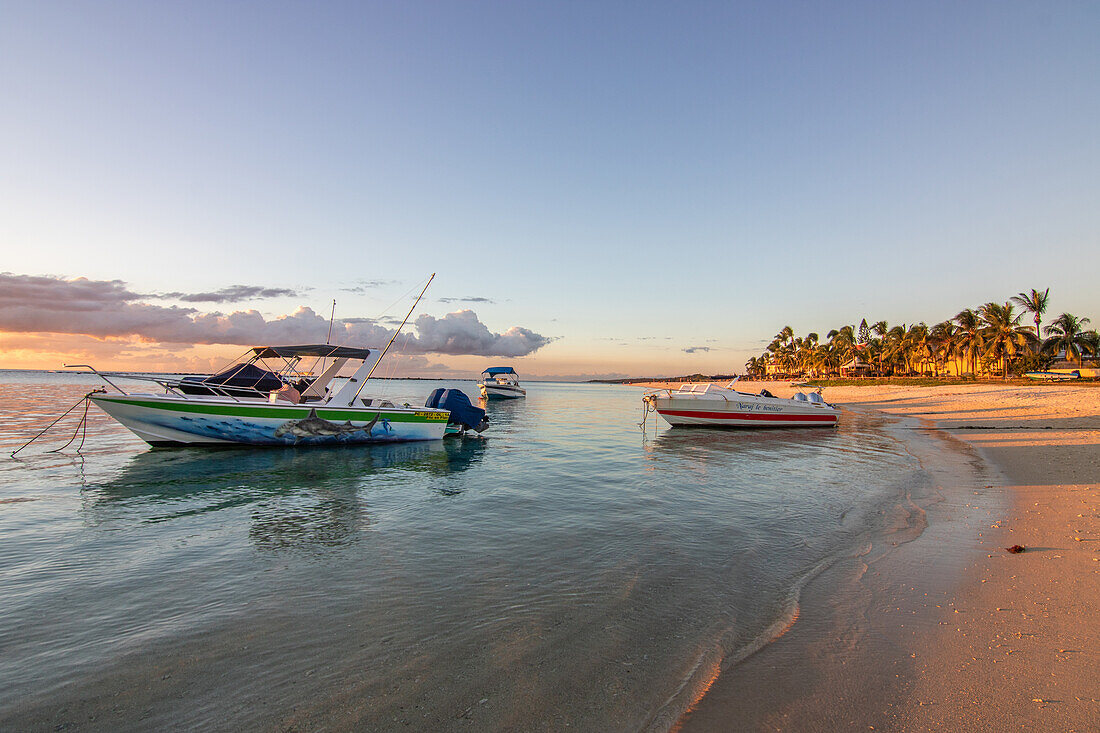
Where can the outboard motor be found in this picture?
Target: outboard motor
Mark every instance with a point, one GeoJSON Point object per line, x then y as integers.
{"type": "Point", "coordinates": [462, 411]}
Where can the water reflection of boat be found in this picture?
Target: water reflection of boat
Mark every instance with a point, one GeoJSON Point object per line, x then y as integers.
{"type": "Point", "coordinates": [769, 445]}
{"type": "Point", "coordinates": [296, 498]}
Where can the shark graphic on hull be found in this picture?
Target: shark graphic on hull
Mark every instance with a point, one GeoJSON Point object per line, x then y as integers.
{"type": "Point", "coordinates": [316, 427]}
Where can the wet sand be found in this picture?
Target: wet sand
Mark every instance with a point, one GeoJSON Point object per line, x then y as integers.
{"type": "Point", "coordinates": [947, 630]}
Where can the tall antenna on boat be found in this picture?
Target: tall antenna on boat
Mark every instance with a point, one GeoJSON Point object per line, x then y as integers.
{"type": "Point", "coordinates": [328, 338]}
{"type": "Point", "coordinates": [331, 318]}
{"type": "Point", "coordinates": [395, 333]}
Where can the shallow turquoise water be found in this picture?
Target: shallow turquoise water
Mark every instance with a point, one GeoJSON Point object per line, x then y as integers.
{"type": "Point", "coordinates": [566, 569]}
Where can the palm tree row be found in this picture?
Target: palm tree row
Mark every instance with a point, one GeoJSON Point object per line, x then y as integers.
{"type": "Point", "coordinates": [984, 340]}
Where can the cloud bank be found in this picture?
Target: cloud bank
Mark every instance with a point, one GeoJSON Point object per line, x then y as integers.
{"type": "Point", "coordinates": [109, 309]}
{"type": "Point", "coordinates": [232, 294]}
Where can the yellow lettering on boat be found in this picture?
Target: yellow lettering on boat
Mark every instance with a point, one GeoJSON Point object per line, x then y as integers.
{"type": "Point", "coordinates": [433, 415]}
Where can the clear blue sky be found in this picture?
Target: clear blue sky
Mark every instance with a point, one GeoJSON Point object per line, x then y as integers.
{"type": "Point", "coordinates": [630, 178]}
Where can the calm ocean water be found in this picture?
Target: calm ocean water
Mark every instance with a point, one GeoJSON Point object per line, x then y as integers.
{"type": "Point", "coordinates": [565, 570]}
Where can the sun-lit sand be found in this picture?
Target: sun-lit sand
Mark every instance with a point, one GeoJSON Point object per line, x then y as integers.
{"type": "Point", "coordinates": [1011, 641]}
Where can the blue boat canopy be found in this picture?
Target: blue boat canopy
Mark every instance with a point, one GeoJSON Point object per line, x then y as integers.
{"type": "Point", "coordinates": [499, 370]}
{"type": "Point", "coordinates": [332, 352]}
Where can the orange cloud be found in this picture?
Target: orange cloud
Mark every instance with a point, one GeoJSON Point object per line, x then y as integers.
{"type": "Point", "coordinates": [47, 319]}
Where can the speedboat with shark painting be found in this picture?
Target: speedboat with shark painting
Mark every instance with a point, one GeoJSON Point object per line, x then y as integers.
{"type": "Point", "coordinates": [266, 400]}
{"type": "Point", "coordinates": [500, 383]}
{"type": "Point", "coordinates": [712, 405]}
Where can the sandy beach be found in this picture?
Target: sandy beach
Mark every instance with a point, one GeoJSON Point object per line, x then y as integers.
{"type": "Point", "coordinates": [949, 631]}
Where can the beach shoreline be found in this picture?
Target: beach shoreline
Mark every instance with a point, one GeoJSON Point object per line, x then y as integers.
{"type": "Point", "coordinates": [951, 632]}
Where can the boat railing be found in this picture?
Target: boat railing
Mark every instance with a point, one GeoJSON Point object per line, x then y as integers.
{"type": "Point", "coordinates": [99, 374]}
{"type": "Point", "coordinates": [176, 387]}
{"type": "Point", "coordinates": [170, 384]}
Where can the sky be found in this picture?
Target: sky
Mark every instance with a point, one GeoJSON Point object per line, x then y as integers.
{"type": "Point", "coordinates": [604, 189]}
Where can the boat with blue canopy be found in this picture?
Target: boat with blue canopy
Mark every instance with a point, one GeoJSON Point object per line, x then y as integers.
{"type": "Point", "coordinates": [267, 400]}
{"type": "Point", "coordinates": [500, 383]}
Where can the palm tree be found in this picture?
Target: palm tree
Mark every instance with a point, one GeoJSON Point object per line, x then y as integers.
{"type": "Point", "coordinates": [918, 343]}
{"type": "Point", "coordinates": [969, 336]}
{"type": "Point", "coordinates": [786, 358]}
{"type": "Point", "coordinates": [881, 328]}
{"type": "Point", "coordinates": [843, 343]}
{"type": "Point", "coordinates": [894, 348]}
{"type": "Point", "coordinates": [943, 341]}
{"type": "Point", "coordinates": [1034, 302]}
{"type": "Point", "coordinates": [805, 348]}
{"type": "Point", "coordinates": [1068, 332]}
{"type": "Point", "coordinates": [1092, 340]}
{"type": "Point", "coordinates": [824, 360]}
{"type": "Point", "coordinates": [1003, 335]}
{"type": "Point", "coordinates": [755, 366]}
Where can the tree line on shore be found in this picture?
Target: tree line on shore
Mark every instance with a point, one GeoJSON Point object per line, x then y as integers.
{"type": "Point", "coordinates": [985, 340]}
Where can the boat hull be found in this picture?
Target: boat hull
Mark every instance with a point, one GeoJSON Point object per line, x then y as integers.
{"type": "Point", "coordinates": [171, 421]}
{"type": "Point", "coordinates": [705, 413]}
{"type": "Point", "coordinates": [502, 393]}
{"type": "Point", "coordinates": [1059, 376]}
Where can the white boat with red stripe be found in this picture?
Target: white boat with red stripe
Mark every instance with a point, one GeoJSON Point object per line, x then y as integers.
{"type": "Point", "coordinates": [712, 405]}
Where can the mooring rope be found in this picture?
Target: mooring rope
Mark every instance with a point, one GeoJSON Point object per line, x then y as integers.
{"type": "Point", "coordinates": [647, 407]}
{"type": "Point", "coordinates": [83, 424]}
{"type": "Point", "coordinates": [81, 427]}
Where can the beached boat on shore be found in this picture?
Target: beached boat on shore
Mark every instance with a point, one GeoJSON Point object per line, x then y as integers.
{"type": "Point", "coordinates": [1055, 375]}
{"type": "Point", "coordinates": [500, 383]}
{"type": "Point", "coordinates": [712, 405]}
{"type": "Point", "coordinates": [255, 403]}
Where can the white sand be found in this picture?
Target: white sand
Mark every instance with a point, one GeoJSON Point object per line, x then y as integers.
{"type": "Point", "coordinates": [1013, 642]}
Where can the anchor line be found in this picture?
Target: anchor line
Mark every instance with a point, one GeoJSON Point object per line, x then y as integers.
{"type": "Point", "coordinates": [83, 423]}
{"type": "Point", "coordinates": [647, 408]}
{"type": "Point", "coordinates": [81, 427]}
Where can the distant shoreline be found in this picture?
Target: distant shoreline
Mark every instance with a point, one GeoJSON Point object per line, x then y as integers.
{"type": "Point", "coordinates": [859, 383]}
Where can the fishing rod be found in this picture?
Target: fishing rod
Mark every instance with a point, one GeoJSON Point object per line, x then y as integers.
{"type": "Point", "coordinates": [328, 338]}
{"type": "Point", "coordinates": [331, 318]}
{"type": "Point", "coordinates": [395, 333]}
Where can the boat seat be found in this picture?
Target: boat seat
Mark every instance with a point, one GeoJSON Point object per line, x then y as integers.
{"type": "Point", "coordinates": [289, 394]}
{"type": "Point", "coordinates": [766, 393]}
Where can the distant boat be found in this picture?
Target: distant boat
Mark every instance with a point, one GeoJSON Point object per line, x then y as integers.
{"type": "Point", "coordinates": [711, 405]}
{"type": "Point", "coordinates": [500, 383]}
{"type": "Point", "coordinates": [1052, 376]}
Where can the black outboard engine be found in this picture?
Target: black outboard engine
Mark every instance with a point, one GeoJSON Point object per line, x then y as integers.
{"type": "Point", "coordinates": [462, 411]}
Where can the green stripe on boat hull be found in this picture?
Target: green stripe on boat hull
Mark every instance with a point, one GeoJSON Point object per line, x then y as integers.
{"type": "Point", "coordinates": [173, 421]}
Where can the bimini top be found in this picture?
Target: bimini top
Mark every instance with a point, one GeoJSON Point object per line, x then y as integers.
{"type": "Point", "coordinates": [499, 370]}
{"type": "Point", "coordinates": [287, 352]}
